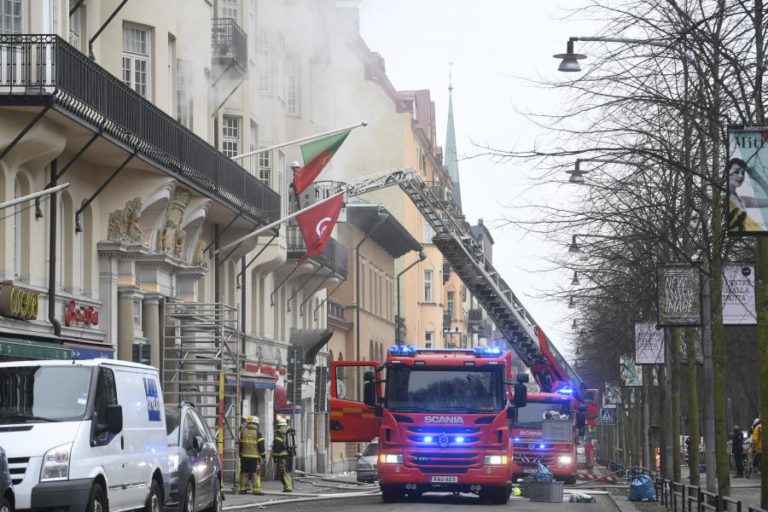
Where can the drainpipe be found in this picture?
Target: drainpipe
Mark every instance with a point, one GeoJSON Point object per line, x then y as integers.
{"type": "Point", "coordinates": [52, 253]}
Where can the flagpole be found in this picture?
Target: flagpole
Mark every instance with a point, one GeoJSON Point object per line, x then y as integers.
{"type": "Point", "coordinates": [268, 227]}
{"type": "Point", "coordinates": [299, 141]}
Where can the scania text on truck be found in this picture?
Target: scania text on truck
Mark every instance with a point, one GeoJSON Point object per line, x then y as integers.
{"type": "Point", "coordinates": [440, 416]}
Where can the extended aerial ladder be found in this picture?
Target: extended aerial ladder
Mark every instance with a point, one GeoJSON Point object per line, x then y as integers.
{"type": "Point", "coordinates": [454, 240]}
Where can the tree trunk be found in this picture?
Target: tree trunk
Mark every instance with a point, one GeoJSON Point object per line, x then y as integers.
{"type": "Point", "coordinates": [693, 406]}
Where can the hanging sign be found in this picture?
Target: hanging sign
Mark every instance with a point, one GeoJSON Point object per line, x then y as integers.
{"type": "Point", "coordinates": [739, 294]}
{"type": "Point", "coordinates": [611, 397]}
{"type": "Point", "coordinates": [630, 377]}
{"type": "Point", "coordinates": [679, 295]}
{"type": "Point", "coordinates": [17, 302]}
{"type": "Point", "coordinates": [649, 343]}
{"type": "Point", "coordinates": [747, 172]}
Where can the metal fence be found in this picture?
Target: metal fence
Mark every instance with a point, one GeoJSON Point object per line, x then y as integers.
{"type": "Point", "coordinates": [46, 70]}
{"type": "Point", "coordinates": [229, 42]}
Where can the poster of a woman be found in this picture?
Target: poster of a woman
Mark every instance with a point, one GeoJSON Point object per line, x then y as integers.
{"type": "Point", "coordinates": [740, 219]}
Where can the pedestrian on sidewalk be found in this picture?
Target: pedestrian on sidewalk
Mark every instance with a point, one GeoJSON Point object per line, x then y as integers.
{"type": "Point", "coordinates": [757, 444]}
{"type": "Point", "coordinates": [252, 452]}
{"type": "Point", "coordinates": [737, 448]}
{"type": "Point", "coordinates": [280, 455]}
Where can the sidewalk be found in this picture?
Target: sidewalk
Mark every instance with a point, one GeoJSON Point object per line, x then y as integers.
{"type": "Point", "coordinates": [746, 490]}
{"type": "Point", "coordinates": [303, 486]}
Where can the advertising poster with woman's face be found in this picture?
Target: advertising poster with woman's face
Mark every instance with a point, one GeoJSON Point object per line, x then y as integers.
{"type": "Point", "coordinates": [747, 173]}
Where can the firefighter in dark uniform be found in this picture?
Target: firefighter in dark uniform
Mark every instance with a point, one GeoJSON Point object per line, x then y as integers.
{"type": "Point", "coordinates": [281, 454]}
{"type": "Point", "coordinates": [252, 452]}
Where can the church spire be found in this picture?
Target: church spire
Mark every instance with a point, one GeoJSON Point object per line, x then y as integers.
{"type": "Point", "coordinates": [451, 156]}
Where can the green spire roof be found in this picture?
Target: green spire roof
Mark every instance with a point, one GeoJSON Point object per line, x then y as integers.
{"type": "Point", "coordinates": [451, 156]}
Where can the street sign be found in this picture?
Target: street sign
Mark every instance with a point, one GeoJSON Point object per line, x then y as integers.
{"type": "Point", "coordinates": [607, 416]}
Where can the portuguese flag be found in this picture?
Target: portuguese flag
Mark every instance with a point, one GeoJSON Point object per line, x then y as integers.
{"type": "Point", "coordinates": [316, 156]}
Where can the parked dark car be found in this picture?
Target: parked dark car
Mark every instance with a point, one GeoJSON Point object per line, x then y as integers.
{"type": "Point", "coordinates": [195, 468]}
{"type": "Point", "coordinates": [7, 500]}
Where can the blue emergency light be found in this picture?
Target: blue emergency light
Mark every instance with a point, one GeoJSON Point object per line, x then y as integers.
{"type": "Point", "coordinates": [487, 351]}
{"type": "Point", "coordinates": [459, 439]}
{"type": "Point", "coordinates": [427, 439]}
{"type": "Point", "coordinates": [565, 391]}
{"type": "Point", "coordinates": [402, 350]}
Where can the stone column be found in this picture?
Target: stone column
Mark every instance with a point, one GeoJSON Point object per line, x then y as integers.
{"type": "Point", "coordinates": [126, 333]}
{"type": "Point", "coordinates": [151, 326]}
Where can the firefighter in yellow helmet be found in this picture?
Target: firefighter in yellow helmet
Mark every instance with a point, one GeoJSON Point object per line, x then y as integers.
{"type": "Point", "coordinates": [252, 452]}
{"type": "Point", "coordinates": [281, 453]}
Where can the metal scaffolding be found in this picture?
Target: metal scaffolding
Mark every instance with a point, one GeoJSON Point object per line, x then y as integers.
{"type": "Point", "coordinates": [202, 364]}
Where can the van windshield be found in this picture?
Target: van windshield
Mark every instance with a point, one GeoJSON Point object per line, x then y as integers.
{"type": "Point", "coordinates": [30, 394]}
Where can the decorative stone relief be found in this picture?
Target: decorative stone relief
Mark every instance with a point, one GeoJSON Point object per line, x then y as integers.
{"type": "Point", "coordinates": [124, 224]}
{"type": "Point", "coordinates": [172, 238]}
{"type": "Point", "coordinates": [201, 256]}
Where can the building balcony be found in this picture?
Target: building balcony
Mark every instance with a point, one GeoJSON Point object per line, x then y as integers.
{"type": "Point", "coordinates": [336, 311]}
{"type": "Point", "coordinates": [229, 44]}
{"type": "Point", "coordinates": [334, 257]}
{"type": "Point", "coordinates": [45, 71]}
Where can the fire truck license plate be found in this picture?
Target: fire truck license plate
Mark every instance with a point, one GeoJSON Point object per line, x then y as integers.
{"type": "Point", "coordinates": [439, 479]}
{"type": "Point", "coordinates": [529, 470]}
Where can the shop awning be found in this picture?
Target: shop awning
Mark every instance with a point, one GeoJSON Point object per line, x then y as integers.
{"type": "Point", "coordinates": [30, 349]}
{"type": "Point", "coordinates": [310, 341]}
{"type": "Point", "coordinates": [281, 402]}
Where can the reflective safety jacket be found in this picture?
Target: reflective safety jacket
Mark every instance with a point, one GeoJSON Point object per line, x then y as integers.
{"type": "Point", "coordinates": [280, 445]}
{"type": "Point", "coordinates": [251, 442]}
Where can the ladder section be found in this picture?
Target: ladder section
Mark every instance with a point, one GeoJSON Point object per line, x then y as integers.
{"type": "Point", "coordinates": [201, 365]}
{"type": "Point", "coordinates": [455, 242]}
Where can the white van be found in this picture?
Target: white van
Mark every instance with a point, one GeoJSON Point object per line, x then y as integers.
{"type": "Point", "coordinates": [84, 435]}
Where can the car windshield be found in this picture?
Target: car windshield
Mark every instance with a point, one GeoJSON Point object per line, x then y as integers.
{"type": "Point", "coordinates": [371, 450]}
{"type": "Point", "coordinates": [43, 393]}
{"type": "Point", "coordinates": [172, 424]}
{"type": "Point", "coordinates": [533, 413]}
{"type": "Point", "coordinates": [445, 389]}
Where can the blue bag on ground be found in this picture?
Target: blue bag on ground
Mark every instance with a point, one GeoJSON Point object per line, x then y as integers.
{"type": "Point", "coordinates": [641, 488]}
{"type": "Point", "coordinates": [543, 474]}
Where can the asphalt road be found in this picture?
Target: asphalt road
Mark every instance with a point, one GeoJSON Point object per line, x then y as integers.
{"type": "Point", "coordinates": [445, 503]}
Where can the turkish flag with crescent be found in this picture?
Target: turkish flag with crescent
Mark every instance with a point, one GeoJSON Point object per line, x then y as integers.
{"type": "Point", "coordinates": [317, 224]}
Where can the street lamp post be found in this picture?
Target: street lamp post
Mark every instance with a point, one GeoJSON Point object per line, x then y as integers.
{"type": "Point", "coordinates": [398, 321]}
{"type": "Point", "coordinates": [570, 63]}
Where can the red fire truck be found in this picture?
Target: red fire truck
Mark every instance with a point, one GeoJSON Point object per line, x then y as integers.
{"type": "Point", "coordinates": [558, 453]}
{"type": "Point", "coordinates": [440, 415]}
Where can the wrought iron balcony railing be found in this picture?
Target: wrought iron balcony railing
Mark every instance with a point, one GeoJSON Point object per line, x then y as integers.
{"type": "Point", "coordinates": [334, 257]}
{"type": "Point", "coordinates": [229, 43]}
{"type": "Point", "coordinates": [45, 70]}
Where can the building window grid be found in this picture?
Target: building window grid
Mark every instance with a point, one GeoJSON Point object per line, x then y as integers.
{"type": "Point", "coordinates": [265, 166]}
{"type": "Point", "coordinates": [264, 64]}
{"type": "Point", "coordinates": [449, 309]}
{"type": "Point", "coordinates": [230, 9]}
{"type": "Point", "coordinates": [136, 59]}
{"type": "Point", "coordinates": [427, 232]}
{"type": "Point", "coordinates": [75, 28]}
{"type": "Point", "coordinates": [428, 286]}
{"type": "Point", "coordinates": [230, 132]}
{"type": "Point", "coordinates": [11, 16]}
{"type": "Point", "coordinates": [293, 84]}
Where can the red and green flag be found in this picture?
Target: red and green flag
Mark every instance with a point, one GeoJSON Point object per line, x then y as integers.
{"type": "Point", "coordinates": [316, 156]}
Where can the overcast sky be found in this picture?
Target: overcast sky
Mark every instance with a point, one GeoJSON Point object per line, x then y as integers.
{"type": "Point", "coordinates": [494, 45]}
